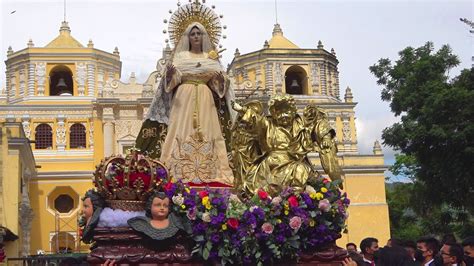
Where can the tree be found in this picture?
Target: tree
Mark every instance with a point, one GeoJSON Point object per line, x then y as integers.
{"type": "Point", "coordinates": [436, 131]}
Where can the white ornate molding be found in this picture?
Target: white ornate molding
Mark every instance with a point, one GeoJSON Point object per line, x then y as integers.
{"type": "Point", "coordinates": [90, 79]}
{"type": "Point", "coordinates": [26, 126]}
{"type": "Point", "coordinates": [100, 81]}
{"type": "Point", "coordinates": [346, 130]}
{"type": "Point", "coordinates": [81, 71]}
{"type": "Point", "coordinates": [91, 134]}
{"type": "Point", "coordinates": [60, 133]}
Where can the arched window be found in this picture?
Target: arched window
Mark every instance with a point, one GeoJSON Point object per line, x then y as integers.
{"type": "Point", "coordinates": [296, 80]}
{"type": "Point", "coordinates": [77, 137]}
{"type": "Point", "coordinates": [43, 137]}
{"type": "Point", "coordinates": [61, 82]}
{"type": "Point", "coordinates": [63, 242]}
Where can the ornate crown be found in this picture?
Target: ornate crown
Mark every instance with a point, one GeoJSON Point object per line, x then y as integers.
{"type": "Point", "coordinates": [126, 182]}
{"type": "Point", "coordinates": [282, 100]}
{"type": "Point", "coordinates": [194, 12]}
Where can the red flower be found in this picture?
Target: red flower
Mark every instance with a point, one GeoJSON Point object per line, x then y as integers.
{"type": "Point", "coordinates": [168, 186]}
{"type": "Point", "coordinates": [262, 194]}
{"type": "Point", "coordinates": [326, 180]}
{"type": "Point", "coordinates": [203, 194]}
{"type": "Point", "coordinates": [293, 201]}
{"type": "Point", "coordinates": [233, 223]}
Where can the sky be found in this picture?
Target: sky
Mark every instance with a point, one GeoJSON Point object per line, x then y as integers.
{"type": "Point", "coordinates": [361, 32]}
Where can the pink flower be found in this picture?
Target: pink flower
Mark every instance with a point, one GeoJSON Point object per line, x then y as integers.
{"type": "Point", "coordinates": [276, 200]}
{"type": "Point", "coordinates": [324, 205]}
{"type": "Point", "coordinates": [295, 223]}
{"type": "Point", "coordinates": [267, 228]}
{"type": "Point", "coordinates": [191, 214]}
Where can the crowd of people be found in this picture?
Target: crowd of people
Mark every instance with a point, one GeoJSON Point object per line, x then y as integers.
{"type": "Point", "coordinates": [426, 251]}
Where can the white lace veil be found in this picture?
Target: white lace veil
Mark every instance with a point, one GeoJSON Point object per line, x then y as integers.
{"type": "Point", "coordinates": [161, 104]}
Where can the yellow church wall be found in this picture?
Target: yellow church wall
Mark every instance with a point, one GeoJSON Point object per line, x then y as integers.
{"type": "Point", "coordinates": [98, 141]}
{"type": "Point", "coordinates": [42, 195]}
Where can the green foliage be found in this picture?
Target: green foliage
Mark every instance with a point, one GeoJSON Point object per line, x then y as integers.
{"type": "Point", "coordinates": [436, 131]}
{"type": "Point", "coordinates": [410, 221]}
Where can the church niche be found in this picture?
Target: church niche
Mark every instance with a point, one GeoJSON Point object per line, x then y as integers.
{"type": "Point", "coordinates": [61, 82]}
{"type": "Point", "coordinates": [296, 80]}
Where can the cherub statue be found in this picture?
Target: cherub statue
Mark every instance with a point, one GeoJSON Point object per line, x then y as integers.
{"type": "Point", "coordinates": [92, 206]}
{"type": "Point", "coordinates": [280, 159]}
{"type": "Point", "coordinates": [324, 137]}
{"type": "Point", "coordinates": [160, 223]}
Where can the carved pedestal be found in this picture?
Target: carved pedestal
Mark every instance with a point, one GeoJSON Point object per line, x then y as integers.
{"type": "Point", "coordinates": [125, 246]}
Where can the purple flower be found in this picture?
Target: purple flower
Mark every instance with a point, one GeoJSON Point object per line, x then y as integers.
{"type": "Point", "coordinates": [217, 219]}
{"type": "Point", "coordinates": [161, 172]}
{"type": "Point", "coordinates": [215, 238]}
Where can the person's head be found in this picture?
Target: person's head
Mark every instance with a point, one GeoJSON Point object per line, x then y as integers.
{"type": "Point", "coordinates": [448, 238]}
{"type": "Point", "coordinates": [282, 109]}
{"type": "Point", "coordinates": [393, 256]}
{"type": "Point", "coordinates": [351, 247]}
{"type": "Point", "coordinates": [410, 247]}
{"type": "Point", "coordinates": [369, 246]}
{"type": "Point", "coordinates": [195, 39]}
{"type": "Point", "coordinates": [451, 253]}
{"type": "Point", "coordinates": [468, 246]}
{"type": "Point", "coordinates": [393, 242]}
{"type": "Point", "coordinates": [158, 206]}
{"type": "Point", "coordinates": [428, 247]}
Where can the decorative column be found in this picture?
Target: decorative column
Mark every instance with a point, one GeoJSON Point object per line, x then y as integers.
{"type": "Point", "coordinates": [336, 83]}
{"type": "Point", "coordinates": [100, 81]}
{"type": "Point", "coordinates": [90, 80]}
{"type": "Point", "coordinates": [12, 91]}
{"type": "Point", "coordinates": [91, 134]}
{"type": "Point", "coordinates": [324, 90]}
{"type": "Point", "coordinates": [109, 132]}
{"type": "Point", "coordinates": [31, 79]}
{"type": "Point", "coordinates": [269, 78]}
{"type": "Point", "coordinates": [81, 70]}
{"type": "Point", "coordinates": [61, 133]}
{"type": "Point", "coordinates": [278, 78]}
{"type": "Point", "coordinates": [315, 78]}
{"type": "Point", "coordinates": [40, 78]}
{"type": "Point", "coordinates": [22, 87]}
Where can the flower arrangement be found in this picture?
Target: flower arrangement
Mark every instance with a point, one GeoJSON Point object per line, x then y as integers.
{"type": "Point", "coordinates": [261, 229]}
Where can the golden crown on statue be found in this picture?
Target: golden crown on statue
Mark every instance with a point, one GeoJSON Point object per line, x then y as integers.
{"type": "Point", "coordinates": [126, 182]}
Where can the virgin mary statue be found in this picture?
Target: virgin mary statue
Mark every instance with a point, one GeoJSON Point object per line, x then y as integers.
{"type": "Point", "coordinates": [190, 112]}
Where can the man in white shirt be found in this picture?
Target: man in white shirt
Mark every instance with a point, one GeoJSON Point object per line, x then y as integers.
{"type": "Point", "coordinates": [368, 247]}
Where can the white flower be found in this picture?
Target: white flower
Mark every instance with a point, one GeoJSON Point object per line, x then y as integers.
{"type": "Point", "coordinates": [310, 189]}
{"type": "Point", "coordinates": [276, 200]}
{"type": "Point", "coordinates": [178, 199]}
{"type": "Point", "coordinates": [234, 198]}
{"type": "Point", "coordinates": [206, 217]}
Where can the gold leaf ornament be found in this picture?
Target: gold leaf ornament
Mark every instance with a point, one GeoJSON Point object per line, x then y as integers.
{"type": "Point", "coordinates": [213, 55]}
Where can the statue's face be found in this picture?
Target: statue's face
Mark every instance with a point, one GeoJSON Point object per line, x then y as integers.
{"type": "Point", "coordinates": [87, 209]}
{"type": "Point", "coordinates": [160, 208]}
{"type": "Point", "coordinates": [195, 38]}
{"type": "Point", "coordinates": [283, 116]}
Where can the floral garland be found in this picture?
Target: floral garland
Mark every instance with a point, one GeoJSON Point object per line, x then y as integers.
{"type": "Point", "coordinates": [261, 229]}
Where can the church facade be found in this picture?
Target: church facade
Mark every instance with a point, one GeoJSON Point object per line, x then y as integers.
{"type": "Point", "coordinates": [75, 110]}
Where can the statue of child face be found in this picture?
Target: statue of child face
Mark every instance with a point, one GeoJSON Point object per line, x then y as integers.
{"type": "Point", "coordinates": [87, 209]}
{"type": "Point", "coordinates": [160, 208]}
